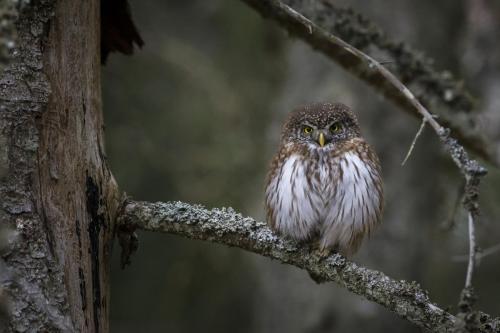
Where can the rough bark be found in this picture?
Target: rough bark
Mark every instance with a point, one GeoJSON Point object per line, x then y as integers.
{"type": "Point", "coordinates": [320, 23]}
{"type": "Point", "coordinates": [407, 299]}
{"type": "Point", "coordinates": [56, 191]}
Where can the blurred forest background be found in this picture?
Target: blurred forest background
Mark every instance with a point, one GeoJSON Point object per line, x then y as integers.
{"type": "Point", "coordinates": [195, 116]}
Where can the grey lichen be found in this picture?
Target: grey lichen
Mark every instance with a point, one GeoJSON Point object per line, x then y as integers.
{"type": "Point", "coordinates": [225, 226]}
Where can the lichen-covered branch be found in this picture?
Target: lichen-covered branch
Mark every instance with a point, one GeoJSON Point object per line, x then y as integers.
{"type": "Point", "coordinates": [225, 226]}
{"type": "Point", "coordinates": [328, 28]}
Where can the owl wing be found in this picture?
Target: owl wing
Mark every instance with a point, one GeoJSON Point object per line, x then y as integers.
{"type": "Point", "coordinates": [292, 208]}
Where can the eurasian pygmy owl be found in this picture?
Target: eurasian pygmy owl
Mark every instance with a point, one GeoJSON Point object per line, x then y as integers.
{"type": "Point", "coordinates": [324, 185]}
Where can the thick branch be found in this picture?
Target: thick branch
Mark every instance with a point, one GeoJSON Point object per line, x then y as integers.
{"type": "Point", "coordinates": [225, 226]}
{"type": "Point", "coordinates": [327, 28]}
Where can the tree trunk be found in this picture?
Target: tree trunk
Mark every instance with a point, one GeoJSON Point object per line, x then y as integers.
{"type": "Point", "coordinates": [57, 194]}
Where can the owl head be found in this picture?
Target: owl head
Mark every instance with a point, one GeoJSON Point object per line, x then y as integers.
{"type": "Point", "coordinates": [320, 125]}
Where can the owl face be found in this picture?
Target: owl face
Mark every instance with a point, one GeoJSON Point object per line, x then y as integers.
{"type": "Point", "coordinates": [321, 125]}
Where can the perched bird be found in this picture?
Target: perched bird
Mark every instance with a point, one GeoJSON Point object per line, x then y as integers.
{"type": "Point", "coordinates": [324, 185]}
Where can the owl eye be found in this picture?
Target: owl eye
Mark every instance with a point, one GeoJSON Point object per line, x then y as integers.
{"type": "Point", "coordinates": [335, 128]}
{"type": "Point", "coordinates": [307, 129]}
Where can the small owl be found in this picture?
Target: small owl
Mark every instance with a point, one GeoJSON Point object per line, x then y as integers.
{"type": "Point", "coordinates": [324, 185]}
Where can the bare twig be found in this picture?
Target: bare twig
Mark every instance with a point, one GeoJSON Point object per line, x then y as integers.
{"type": "Point", "coordinates": [412, 146]}
{"type": "Point", "coordinates": [472, 252]}
{"type": "Point", "coordinates": [468, 296]}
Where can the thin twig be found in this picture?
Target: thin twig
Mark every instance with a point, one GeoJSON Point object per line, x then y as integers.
{"type": "Point", "coordinates": [419, 132]}
{"type": "Point", "coordinates": [472, 252]}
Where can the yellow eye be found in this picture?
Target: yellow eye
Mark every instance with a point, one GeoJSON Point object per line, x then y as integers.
{"type": "Point", "coordinates": [308, 129]}
{"type": "Point", "coordinates": [335, 128]}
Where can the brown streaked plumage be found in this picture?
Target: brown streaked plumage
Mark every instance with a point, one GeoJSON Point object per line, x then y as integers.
{"type": "Point", "coordinates": [324, 185]}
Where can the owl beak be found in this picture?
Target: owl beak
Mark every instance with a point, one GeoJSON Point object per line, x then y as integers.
{"type": "Point", "coordinates": [321, 139]}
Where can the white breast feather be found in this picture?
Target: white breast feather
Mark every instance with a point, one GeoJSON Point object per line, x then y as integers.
{"type": "Point", "coordinates": [290, 196]}
{"type": "Point", "coordinates": [355, 206]}
{"type": "Point", "coordinates": [337, 212]}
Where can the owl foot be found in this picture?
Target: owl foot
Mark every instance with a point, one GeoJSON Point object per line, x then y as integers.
{"type": "Point", "coordinates": [322, 253]}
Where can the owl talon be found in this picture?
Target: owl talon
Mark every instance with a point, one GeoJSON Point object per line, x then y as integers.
{"type": "Point", "coordinates": [323, 253]}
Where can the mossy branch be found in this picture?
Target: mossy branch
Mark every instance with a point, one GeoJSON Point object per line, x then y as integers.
{"type": "Point", "coordinates": [225, 226]}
